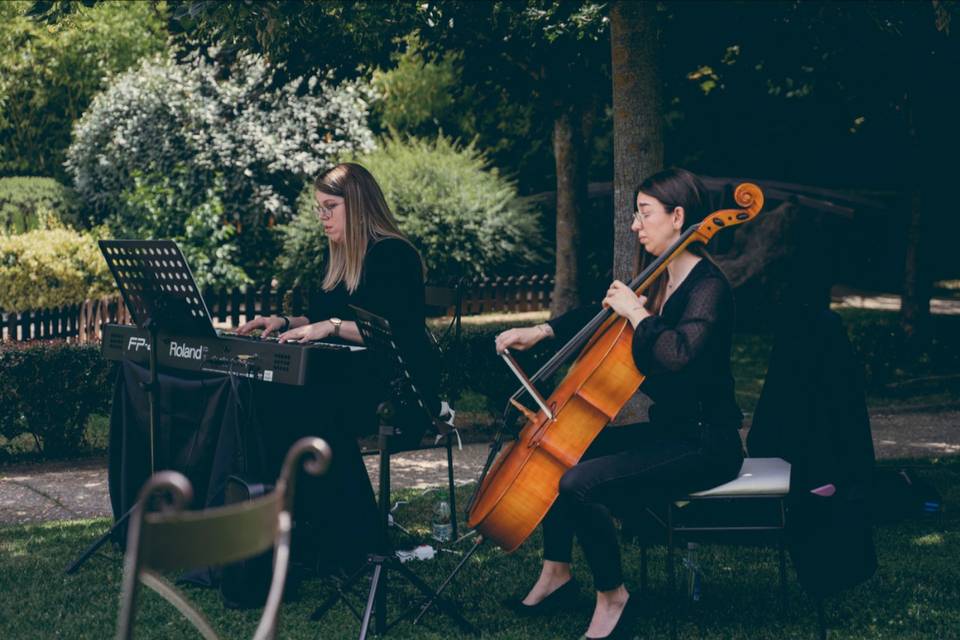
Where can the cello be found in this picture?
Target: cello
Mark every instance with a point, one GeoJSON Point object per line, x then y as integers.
{"type": "Point", "coordinates": [518, 487]}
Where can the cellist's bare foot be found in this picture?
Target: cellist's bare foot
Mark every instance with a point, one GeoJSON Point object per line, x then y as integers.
{"type": "Point", "coordinates": [611, 606]}
{"type": "Point", "coordinates": [553, 576]}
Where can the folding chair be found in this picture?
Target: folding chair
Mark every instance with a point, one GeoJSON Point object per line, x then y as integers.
{"type": "Point", "coordinates": [441, 301]}
{"type": "Point", "coordinates": [750, 507]}
{"type": "Point", "coordinates": [172, 539]}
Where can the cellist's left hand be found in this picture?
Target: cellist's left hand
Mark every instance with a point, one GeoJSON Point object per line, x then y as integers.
{"type": "Point", "coordinates": [625, 303]}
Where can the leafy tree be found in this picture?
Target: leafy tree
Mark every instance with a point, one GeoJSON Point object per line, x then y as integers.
{"type": "Point", "coordinates": [419, 94]}
{"type": "Point", "coordinates": [555, 58]}
{"type": "Point", "coordinates": [549, 56]}
{"type": "Point", "coordinates": [428, 92]}
{"type": "Point", "coordinates": [827, 93]}
{"type": "Point", "coordinates": [50, 73]}
{"type": "Point", "coordinates": [335, 37]}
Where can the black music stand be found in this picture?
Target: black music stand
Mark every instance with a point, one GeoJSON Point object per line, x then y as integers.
{"type": "Point", "coordinates": [159, 290]}
{"type": "Point", "coordinates": [408, 408]}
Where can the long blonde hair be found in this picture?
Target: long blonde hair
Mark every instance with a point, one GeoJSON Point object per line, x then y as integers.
{"type": "Point", "coordinates": [368, 219]}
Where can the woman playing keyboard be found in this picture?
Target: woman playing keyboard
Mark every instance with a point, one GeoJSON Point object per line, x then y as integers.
{"type": "Point", "coordinates": [371, 265]}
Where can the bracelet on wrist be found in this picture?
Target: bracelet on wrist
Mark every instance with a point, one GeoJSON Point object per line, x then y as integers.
{"type": "Point", "coordinates": [286, 323]}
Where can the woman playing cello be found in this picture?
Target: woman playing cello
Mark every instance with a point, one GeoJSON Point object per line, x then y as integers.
{"type": "Point", "coordinates": [682, 340]}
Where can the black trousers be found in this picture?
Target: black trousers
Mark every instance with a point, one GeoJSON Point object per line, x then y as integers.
{"type": "Point", "coordinates": [624, 470]}
{"type": "Point", "coordinates": [336, 513]}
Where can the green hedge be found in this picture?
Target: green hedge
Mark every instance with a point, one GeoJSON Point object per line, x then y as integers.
{"type": "Point", "coordinates": [466, 217]}
{"type": "Point", "coordinates": [51, 268]}
{"type": "Point", "coordinates": [27, 202]}
{"type": "Point", "coordinates": [48, 390]}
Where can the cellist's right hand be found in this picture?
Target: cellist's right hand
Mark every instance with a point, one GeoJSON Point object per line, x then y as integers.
{"type": "Point", "coordinates": [523, 338]}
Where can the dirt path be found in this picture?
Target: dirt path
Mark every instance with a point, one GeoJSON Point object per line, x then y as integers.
{"type": "Point", "coordinates": [68, 491]}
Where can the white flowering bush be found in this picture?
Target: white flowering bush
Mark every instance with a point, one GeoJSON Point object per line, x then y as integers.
{"type": "Point", "coordinates": [217, 138]}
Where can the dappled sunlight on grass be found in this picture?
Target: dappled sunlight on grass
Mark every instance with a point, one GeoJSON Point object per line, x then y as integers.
{"type": "Point", "coordinates": [13, 549]}
{"type": "Point", "coordinates": [928, 540]}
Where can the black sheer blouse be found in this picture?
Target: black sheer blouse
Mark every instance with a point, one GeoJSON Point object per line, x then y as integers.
{"type": "Point", "coordinates": [392, 287]}
{"type": "Point", "coordinates": [684, 352]}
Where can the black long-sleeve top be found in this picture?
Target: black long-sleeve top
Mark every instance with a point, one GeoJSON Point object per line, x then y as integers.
{"type": "Point", "coordinates": [684, 353]}
{"type": "Point", "coordinates": [392, 287]}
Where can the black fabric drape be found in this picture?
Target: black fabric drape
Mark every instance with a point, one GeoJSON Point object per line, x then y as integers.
{"type": "Point", "coordinates": [812, 412]}
{"type": "Point", "coordinates": [213, 426]}
{"type": "Point", "coordinates": [204, 431]}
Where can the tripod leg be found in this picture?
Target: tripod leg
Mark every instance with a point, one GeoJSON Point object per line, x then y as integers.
{"type": "Point", "coordinates": [341, 594]}
{"type": "Point", "coordinates": [433, 598]}
{"type": "Point", "coordinates": [371, 601]}
{"type": "Point", "coordinates": [380, 601]}
{"type": "Point", "coordinates": [452, 489]}
{"type": "Point", "coordinates": [445, 606]}
{"type": "Point", "coordinates": [99, 542]}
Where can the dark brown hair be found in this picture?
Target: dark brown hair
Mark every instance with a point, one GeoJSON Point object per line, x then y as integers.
{"type": "Point", "coordinates": [673, 188]}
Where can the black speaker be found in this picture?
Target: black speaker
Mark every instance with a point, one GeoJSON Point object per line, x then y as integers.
{"type": "Point", "coordinates": [245, 584]}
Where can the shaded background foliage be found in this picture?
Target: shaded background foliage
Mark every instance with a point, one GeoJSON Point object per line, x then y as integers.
{"type": "Point", "coordinates": [52, 408]}
{"type": "Point", "coordinates": [26, 200]}
{"type": "Point", "coordinates": [50, 73]}
{"type": "Point", "coordinates": [819, 92]}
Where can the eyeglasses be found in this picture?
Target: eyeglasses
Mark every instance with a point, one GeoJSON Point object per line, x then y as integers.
{"type": "Point", "coordinates": [326, 212]}
{"type": "Point", "coordinates": [641, 218]}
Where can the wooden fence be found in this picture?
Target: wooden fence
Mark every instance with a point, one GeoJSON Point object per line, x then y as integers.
{"type": "Point", "coordinates": [81, 322]}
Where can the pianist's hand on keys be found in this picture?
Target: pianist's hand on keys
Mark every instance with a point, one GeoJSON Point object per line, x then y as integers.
{"type": "Point", "coordinates": [268, 325]}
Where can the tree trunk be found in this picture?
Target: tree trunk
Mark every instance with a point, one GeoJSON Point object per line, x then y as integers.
{"type": "Point", "coordinates": [917, 282]}
{"type": "Point", "coordinates": [637, 137]}
{"type": "Point", "coordinates": [570, 157]}
{"type": "Point", "coordinates": [637, 118]}
{"type": "Point", "coordinates": [915, 299]}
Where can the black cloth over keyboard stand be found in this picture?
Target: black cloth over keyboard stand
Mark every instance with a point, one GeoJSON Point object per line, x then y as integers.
{"type": "Point", "coordinates": [406, 414]}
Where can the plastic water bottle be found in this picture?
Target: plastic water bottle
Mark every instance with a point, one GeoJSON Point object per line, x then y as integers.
{"type": "Point", "coordinates": [442, 528]}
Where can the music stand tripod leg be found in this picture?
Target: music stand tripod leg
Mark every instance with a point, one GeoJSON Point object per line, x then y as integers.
{"type": "Point", "coordinates": [151, 388]}
{"type": "Point", "coordinates": [99, 542]}
{"type": "Point", "coordinates": [445, 605]}
{"type": "Point", "coordinates": [437, 594]}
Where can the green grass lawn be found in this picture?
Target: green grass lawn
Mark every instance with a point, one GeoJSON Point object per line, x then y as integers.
{"type": "Point", "coordinates": [915, 593]}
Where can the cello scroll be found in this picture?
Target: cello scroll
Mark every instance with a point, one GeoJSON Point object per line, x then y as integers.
{"type": "Point", "coordinates": [747, 195]}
